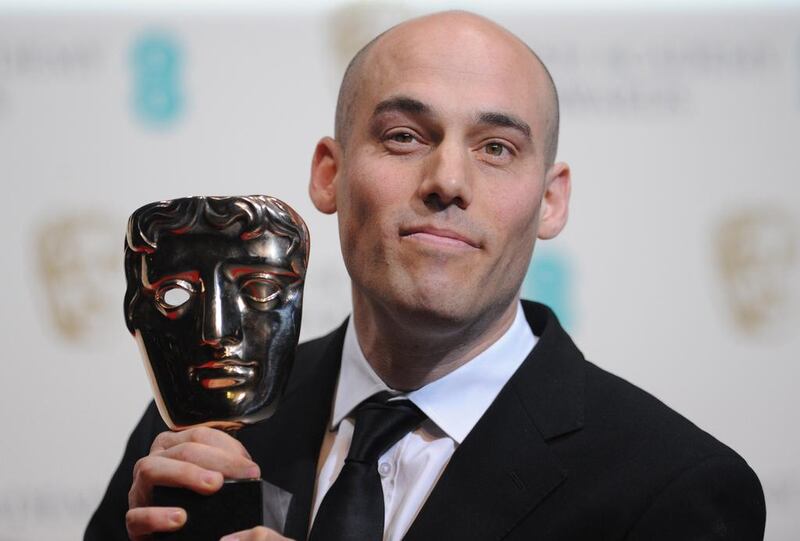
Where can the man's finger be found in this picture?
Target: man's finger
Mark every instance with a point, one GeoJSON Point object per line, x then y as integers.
{"type": "Point", "coordinates": [200, 434]}
{"type": "Point", "coordinates": [164, 471]}
{"type": "Point", "coordinates": [143, 521]}
{"type": "Point", "coordinates": [230, 465]}
{"type": "Point", "coordinates": [258, 533]}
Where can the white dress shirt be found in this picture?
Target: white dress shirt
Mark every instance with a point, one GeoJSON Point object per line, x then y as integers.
{"type": "Point", "coordinates": [453, 404]}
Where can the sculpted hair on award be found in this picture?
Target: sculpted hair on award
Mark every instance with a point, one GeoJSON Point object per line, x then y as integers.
{"type": "Point", "coordinates": [247, 217]}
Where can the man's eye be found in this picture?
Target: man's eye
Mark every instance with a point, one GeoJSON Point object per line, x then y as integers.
{"type": "Point", "coordinates": [495, 149]}
{"type": "Point", "coordinates": [262, 292]}
{"type": "Point", "coordinates": [173, 295]}
{"type": "Point", "coordinates": [402, 137]}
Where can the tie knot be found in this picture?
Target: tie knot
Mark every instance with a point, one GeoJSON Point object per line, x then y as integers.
{"type": "Point", "coordinates": [379, 424]}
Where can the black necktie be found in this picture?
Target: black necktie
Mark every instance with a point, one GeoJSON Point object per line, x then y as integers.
{"type": "Point", "coordinates": [352, 509]}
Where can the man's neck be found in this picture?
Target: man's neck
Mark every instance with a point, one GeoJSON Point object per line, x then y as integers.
{"type": "Point", "coordinates": [407, 351]}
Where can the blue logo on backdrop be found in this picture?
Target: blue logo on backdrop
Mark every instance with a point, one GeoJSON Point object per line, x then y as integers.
{"type": "Point", "coordinates": [549, 280]}
{"type": "Point", "coordinates": [157, 64]}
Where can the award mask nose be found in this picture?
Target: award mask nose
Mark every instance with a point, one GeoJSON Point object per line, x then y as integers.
{"type": "Point", "coordinates": [221, 322]}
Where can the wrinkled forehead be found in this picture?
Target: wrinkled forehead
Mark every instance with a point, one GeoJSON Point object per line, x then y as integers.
{"type": "Point", "coordinates": [467, 69]}
{"type": "Point", "coordinates": [204, 252]}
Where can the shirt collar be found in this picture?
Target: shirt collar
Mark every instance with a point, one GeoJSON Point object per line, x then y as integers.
{"type": "Point", "coordinates": [454, 402]}
{"type": "Point", "coordinates": [357, 380]}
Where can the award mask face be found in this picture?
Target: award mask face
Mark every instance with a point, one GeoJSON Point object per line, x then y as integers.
{"type": "Point", "coordinates": [214, 296]}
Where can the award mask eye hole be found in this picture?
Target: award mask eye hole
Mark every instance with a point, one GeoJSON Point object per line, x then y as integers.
{"type": "Point", "coordinates": [176, 296]}
{"type": "Point", "coordinates": [261, 292]}
{"type": "Point", "coordinates": [173, 295]}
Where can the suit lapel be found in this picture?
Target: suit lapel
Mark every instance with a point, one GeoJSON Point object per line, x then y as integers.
{"type": "Point", "coordinates": [287, 445]}
{"type": "Point", "coordinates": [505, 467]}
{"type": "Point", "coordinates": [497, 475]}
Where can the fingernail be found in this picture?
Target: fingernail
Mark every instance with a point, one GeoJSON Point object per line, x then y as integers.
{"type": "Point", "coordinates": [176, 518]}
{"type": "Point", "coordinates": [252, 472]}
{"type": "Point", "coordinates": [210, 479]}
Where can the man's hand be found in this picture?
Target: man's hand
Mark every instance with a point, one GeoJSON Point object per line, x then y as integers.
{"type": "Point", "coordinates": [259, 533]}
{"type": "Point", "coordinates": [198, 459]}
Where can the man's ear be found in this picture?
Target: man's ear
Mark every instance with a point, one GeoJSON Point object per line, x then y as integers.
{"type": "Point", "coordinates": [324, 173]}
{"type": "Point", "coordinates": [555, 201]}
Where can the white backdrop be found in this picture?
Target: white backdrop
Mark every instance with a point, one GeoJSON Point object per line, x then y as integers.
{"type": "Point", "coordinates": [679, 270]}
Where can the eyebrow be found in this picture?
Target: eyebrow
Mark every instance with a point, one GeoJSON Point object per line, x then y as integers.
{"type": "Point", "coordinates": [401, 104]}
{"type": "Point", "coordinates": [506, 121]}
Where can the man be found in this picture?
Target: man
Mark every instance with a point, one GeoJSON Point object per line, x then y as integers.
{"type": "Point", "coordinates": [443, 175]}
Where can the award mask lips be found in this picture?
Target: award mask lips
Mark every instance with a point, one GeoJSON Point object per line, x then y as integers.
{"type": "Point", "coordinates": [225, 373]}
{"type": "Point", "coordinates": [214, 300]}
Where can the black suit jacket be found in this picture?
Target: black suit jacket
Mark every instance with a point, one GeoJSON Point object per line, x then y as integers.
{"type": "Point", "coordinates": [566, 451]}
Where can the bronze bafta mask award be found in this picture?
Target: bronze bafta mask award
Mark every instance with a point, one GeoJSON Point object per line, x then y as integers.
{"type": "Point", "coordinates": [214, 298]}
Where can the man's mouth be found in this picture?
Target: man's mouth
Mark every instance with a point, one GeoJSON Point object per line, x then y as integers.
{"type": "Point", "coordinates": [223, 373]}
{"type": "Point", "coordinates": [439, 236]}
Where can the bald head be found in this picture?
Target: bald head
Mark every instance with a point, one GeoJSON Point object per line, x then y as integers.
{"type": "Point", "coordinates": [359, 69]}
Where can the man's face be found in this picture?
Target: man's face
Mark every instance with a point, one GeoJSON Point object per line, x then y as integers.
{"type": "Point", "coordinates": [439, 188]}
{"type": "Point", "coordinates": [217, 318]}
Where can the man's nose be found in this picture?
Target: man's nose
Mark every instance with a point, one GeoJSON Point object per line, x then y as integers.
{"type": "Point", "coordinates": [221, 321]}
{"type": "Point", "coordinates": [447, 180]}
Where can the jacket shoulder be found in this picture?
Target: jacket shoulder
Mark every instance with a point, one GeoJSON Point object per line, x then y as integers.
{"type": "Point", "coordinates": [668, 476]}
{"type": "Point", "coordinates": [627, 413]}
